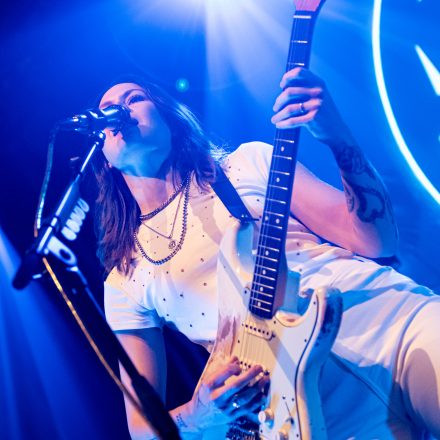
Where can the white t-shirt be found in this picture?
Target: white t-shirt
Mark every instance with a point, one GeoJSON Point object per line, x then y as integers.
{"type": "Point", "coordinates": [368, 388]}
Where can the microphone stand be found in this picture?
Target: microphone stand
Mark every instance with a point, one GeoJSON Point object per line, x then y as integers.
{"type": "Point", "coordinates": [61, 264]}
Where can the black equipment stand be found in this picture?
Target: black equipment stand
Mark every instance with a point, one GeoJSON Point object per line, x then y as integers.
{"type": "Point", "coordinates": [61, 264]}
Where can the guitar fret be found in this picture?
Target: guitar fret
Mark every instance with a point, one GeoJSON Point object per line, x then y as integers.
{"type": "Point", "coordinates": [289, 141]}
{"type": "Point", "coordinates": [259, 301]}
{"type": "Point", "coordinates": [275, 207]}
{"type": "Point", "coordinates": [281, 156]}
{"type": "Point", "coordinates": [265, 276]}
{"type": "Point", "coordinates": [283, 165]}
{"type": "Point", "coordinates": [283, 202]}
{"type": "Point", "coordinates": [268, 225]}
{"type": "Point", "coordinates": [268, 254]}
{"type": "Point", "coordinates": [281, 172]}
{"type": "Point", "coordinates": [264, 285]}
{"type": "Point", "coordinates": [265, 267]}
{"type": "Point", "coordinates": [274, 213]}
{"type": "Point", "coordinates": [299, 41]}
{"type": "Point", "coordinates": [265, 297]}
{"type": "Point", "coordinates": [262, 293]}
{"type": "Point", "coordinates": [273, 230]}
{"type": "Point", "coordinates": [268, 243]}
{"type": "Point", "coordinates": [267, 262]}
{"type": "Point", "coordinates": [256, 306]}
{"type": "Point", "coordinates": [297, 63]}
{"type": "Point", "coordinates": [282, 182]}
{"type": "Point", "coordinates": [303, 17]}
{"type": "Point", "coordinates": [269, 236]}
{"type": "Point", "coordinates": [268, 247]}
{"type": "Point", "coordinates": [268, 258]}
{"type": "Point", "coordinates": [277, 186]}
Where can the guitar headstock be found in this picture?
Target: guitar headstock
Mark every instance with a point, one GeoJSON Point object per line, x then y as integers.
{"type": "Point", "coordinates": [308, 5]}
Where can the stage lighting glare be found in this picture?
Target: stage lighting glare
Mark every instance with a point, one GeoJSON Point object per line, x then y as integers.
{"type": "Point", "coordinates": [182, 85]}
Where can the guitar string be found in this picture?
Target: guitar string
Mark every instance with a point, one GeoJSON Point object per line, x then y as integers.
{"type": "Point", "coordinates": [249, 357]}
{"type": "Point", "coordinates": [252, 354]}
{"type": "Point", "coordinates": [292, 55]}
{"type": "Point", "coordinates": [248, 348]}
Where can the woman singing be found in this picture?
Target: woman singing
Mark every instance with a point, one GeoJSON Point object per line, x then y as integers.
{"type": "Point", "coordinates": [160, 226]}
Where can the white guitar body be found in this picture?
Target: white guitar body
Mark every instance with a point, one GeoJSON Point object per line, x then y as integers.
{"type": "Point", "coordinates": [291, 347]}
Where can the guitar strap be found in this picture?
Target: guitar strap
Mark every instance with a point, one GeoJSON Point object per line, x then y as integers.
{"type": "Point", "coordinates": [230, 198]}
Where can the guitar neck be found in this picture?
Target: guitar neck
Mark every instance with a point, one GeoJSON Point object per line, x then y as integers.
{"type": "Point", "coordinates": [276, 211]}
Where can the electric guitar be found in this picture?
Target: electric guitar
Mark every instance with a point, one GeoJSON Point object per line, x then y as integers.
{"type": "Point", "coordinates": [259, 320]}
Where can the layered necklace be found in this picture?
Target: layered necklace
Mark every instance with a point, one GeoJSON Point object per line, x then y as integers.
{"type": "Point", "coordinates": [183, 190]}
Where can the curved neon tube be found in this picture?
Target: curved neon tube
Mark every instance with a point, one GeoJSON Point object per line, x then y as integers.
{"type": "Point", "coordinates": [420, 175]}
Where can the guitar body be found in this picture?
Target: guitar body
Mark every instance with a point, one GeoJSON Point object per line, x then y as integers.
{"type": "Point", "coordinates": [291, 348]}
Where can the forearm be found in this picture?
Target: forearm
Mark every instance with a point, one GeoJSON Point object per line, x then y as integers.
{"type": "Point", "coordinates": [182, 416]}
{"type": "Point", "coordinates": [369, 207]}
{"type": "Point", "coordinates": [183, 419]}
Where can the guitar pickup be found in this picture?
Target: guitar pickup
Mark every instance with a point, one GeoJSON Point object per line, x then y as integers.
{"type": "Point", "coordinates": [255, 329]}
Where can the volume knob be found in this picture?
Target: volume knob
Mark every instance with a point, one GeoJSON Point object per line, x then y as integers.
{"type": "Point", "coordinates": [282, 434]}
{"type": "Point", "coordinates": [266, 416]}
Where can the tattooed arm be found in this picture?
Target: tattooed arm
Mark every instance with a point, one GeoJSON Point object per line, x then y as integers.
{"type": "Point", "coordinates": [360, 220]}
{"type": "Point", "coordinates": [364, 189]}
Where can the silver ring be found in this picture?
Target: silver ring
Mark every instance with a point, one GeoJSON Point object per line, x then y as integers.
{"type": "Point", "coordinates": [302, 110]}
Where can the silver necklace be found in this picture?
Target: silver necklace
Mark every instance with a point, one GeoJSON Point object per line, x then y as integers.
{"type": "Point", "coordinates": [179, 245]}
{"type": "Point", "coordinates": [170, 238]}
{"type": "Point", "coordinates": [167, 202]}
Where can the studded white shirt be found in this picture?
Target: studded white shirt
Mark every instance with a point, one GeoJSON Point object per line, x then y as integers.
{"type": "Point", "coordinates": [182, 292]}
{"type": "Point", "coordinates": [371, 382]}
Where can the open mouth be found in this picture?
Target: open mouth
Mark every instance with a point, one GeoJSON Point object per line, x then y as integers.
{"type": "Point", "coordinates": [128, 130]}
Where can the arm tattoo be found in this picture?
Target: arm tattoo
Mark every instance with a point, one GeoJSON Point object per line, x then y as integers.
{"type": "Point", "coordinates": [372, 204]}
{"type": "Point", "coordinates": [371, 198]}
{"type": "Point", "coordinates": [349, 196]}
{"type": "Point", "coordinates": [352, 161]}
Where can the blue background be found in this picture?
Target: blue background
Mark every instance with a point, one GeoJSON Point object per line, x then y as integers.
{"type": "Point", "coordinates": [56, 58]}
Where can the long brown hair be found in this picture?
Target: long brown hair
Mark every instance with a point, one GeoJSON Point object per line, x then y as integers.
{"type": "Point", "coordinates": [116, 211]}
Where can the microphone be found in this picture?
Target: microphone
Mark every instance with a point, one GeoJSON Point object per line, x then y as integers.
{"type": "Point", "coordinates": [114, 117]}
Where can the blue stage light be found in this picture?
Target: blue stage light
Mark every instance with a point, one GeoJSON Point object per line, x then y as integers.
{"type": "Point", "coordinates": [182, 85]}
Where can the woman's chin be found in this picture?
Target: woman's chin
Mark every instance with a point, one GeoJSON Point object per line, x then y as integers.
{"type": "Point", "coordinates": [141, 159]}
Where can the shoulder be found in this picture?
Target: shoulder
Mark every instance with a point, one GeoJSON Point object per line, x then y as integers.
{"type": "Point", "coordinates": [251, 151]}
{"type": "Point", "coordinates": [250, 158]}
{"type": "Point", "coordinates": [116, 280]}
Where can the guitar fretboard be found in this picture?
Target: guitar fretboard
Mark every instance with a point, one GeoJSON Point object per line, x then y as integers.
{"type": "Point", "coordinates": [279, 189]}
